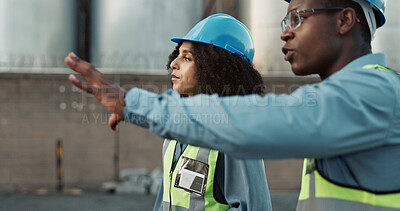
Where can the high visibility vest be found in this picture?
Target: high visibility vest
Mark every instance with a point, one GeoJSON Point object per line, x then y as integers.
{"type": "Point", "coordinates": [178, 198]}
{"type": "Point", "coordinates": [320, 193]}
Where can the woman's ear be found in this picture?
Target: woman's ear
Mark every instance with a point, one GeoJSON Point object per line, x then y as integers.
{"type": "Point", "coordinates": [347, 20]}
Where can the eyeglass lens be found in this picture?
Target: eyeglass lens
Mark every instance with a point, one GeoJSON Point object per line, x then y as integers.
{"type": "Point", "coordinates": [292, 20]}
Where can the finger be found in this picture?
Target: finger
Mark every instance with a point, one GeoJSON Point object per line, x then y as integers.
{"type": "Point", "coordinates": [84, 86]}
{"type": "Point", "coordinates": [81, 67]}
{"type": "Point", "coordinates": [91, 74]}
{"type": "Point", "coordinates": [77, 60]}
{"type": "Point", "coordinates": [114, 120]}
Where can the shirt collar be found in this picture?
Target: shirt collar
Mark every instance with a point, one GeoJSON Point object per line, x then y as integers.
{"type": "Point", "coordinates": [376, 58]}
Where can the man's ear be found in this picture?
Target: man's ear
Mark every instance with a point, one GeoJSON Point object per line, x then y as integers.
{"type": "Point", "coordinates": [347, 20]}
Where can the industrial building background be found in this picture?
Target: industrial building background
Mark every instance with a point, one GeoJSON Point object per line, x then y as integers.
{"type": "Point", "coordinates": [129, 40]}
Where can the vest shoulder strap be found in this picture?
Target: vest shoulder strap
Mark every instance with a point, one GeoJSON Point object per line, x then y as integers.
{"type": "Point", "coordinates": [380, 67]}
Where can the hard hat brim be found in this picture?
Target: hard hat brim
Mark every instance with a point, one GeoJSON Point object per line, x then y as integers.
{"type": "Point", "coordinates": [181, 40]}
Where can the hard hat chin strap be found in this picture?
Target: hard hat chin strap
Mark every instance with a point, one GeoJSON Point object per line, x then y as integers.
{"type": "Point", "coordinates": [369, 15]}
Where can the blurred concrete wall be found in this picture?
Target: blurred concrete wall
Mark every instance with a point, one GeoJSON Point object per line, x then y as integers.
{"type": "Point", "coordinates": [36, 110]}
{"type": "Point", "coordinates": [36, 34]}
{"type": "Point", "coordinates": [133, 36]}
{"type": "Point", "coordinates": [387, 38]}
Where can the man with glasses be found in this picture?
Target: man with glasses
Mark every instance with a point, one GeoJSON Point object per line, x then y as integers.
{"type": "Point", "coordinates": [347, 125]}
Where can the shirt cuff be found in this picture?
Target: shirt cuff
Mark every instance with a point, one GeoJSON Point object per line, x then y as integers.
{"type": "Point", "coordinates": [142, 105]}
{"type": "Point", "coordinates": [132, 108]}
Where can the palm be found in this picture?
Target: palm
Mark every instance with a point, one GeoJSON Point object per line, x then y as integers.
{"type": "Point", "coordinates": [110, 95]}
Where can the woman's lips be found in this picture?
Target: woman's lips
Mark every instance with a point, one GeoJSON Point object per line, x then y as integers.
{"type": "Point", "coordinates": [174, 77]}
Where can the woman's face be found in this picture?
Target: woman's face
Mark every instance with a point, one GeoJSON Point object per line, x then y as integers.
{"type": "Point", "coordinates": [184, 71]}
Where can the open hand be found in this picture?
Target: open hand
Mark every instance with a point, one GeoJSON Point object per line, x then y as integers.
{"type": "Point", "coordinates": [110, 95]}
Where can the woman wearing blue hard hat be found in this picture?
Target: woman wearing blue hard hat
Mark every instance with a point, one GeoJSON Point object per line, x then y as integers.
{"type": "Point", "coordinates": [213, 58]}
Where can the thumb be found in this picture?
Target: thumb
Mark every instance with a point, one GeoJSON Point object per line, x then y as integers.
{"type": "Point", "coordinates": [114, 120]}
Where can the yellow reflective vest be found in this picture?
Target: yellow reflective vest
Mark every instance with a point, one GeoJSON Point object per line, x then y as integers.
{"type": "Point", "coordinates": [189, 186]}
{"type": "Point", "coordinates": [320, 193]}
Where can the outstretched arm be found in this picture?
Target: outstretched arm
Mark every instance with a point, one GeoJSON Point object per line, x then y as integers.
{"type": "Point", "coordinates": [337, 116]}
{"type": "Point", "coordinates": [110, 95]}
{"type": "Point", "coordinates": [321, 120]}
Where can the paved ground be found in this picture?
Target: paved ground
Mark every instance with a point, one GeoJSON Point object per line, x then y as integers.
{"type": "Point", "coordinates": [98, 201]}
{"type": "Point", "coordinates": [284, 201]}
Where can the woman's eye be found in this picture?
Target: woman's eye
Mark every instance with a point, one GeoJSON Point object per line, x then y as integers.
{"type": "Point", "coordinates": [186, 58]}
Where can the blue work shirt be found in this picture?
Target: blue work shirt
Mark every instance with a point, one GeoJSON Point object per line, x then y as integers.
{"type": "Point", "coordinates": [239, 183]}
{"type": "Point", "coordinates": [350, 121]}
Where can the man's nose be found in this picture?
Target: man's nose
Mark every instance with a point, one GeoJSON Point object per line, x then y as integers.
{"type": "Point", "coordinates": [287, 34]}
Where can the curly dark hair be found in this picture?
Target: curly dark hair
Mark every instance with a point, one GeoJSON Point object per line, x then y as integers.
{"type": "Point", "coordinates": [222, 72]}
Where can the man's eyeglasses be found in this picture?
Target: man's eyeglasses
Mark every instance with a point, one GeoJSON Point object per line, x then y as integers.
{"type": "Point", "coordinates": [294, 18]}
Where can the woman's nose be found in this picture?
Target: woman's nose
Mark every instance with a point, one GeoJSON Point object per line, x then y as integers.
{"type": "Point", "coordinates": [174, 64]}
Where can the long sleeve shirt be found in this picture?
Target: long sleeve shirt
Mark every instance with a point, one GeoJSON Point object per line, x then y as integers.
{"type": "Point", "coordinates": [351, 121]}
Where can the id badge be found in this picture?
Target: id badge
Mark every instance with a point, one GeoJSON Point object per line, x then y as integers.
{"type": "Point", "coordinates": [192, 176]}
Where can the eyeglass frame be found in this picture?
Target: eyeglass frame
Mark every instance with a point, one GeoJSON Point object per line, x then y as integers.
{"type": "Point", "coordinates": [298, 12]}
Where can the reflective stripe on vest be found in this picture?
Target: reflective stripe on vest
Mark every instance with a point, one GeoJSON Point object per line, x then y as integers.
{"type": "Point", "coordinates": [380, 67]}
{"type": "Point", "coordinates": [178, 199]}
{"type": "Point", "coordinates": [317, 193]}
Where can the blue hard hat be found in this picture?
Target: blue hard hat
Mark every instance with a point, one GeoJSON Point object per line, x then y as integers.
{"type": "Point", "coordinates": [223, 31]}
{"type": "Point", "coordinates": [379, 7]}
